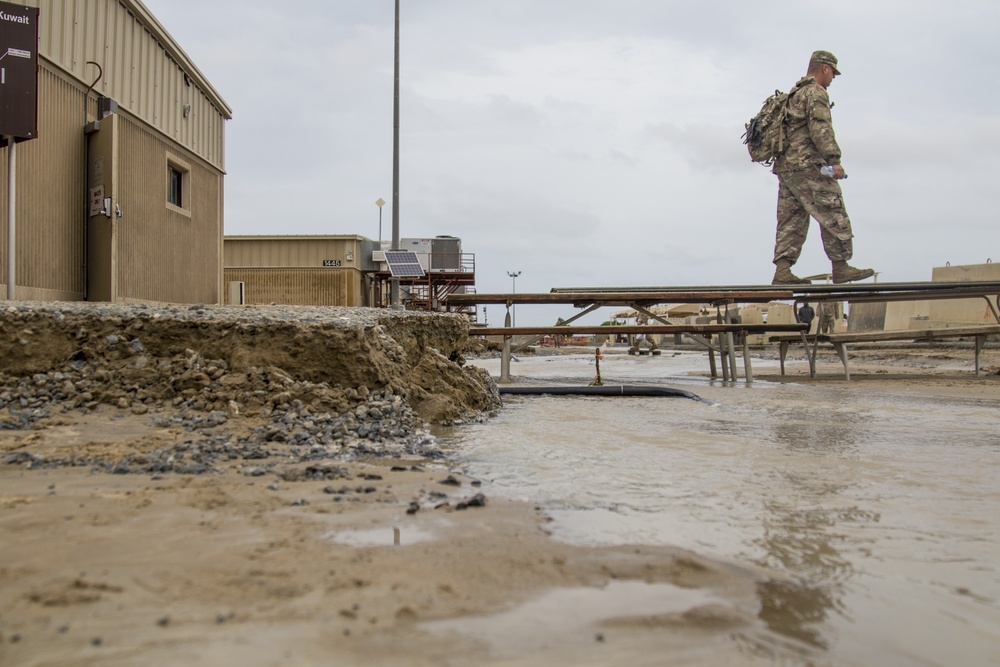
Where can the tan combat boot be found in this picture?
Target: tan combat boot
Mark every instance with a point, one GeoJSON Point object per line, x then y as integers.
{"type": "Point", "coordinates": [783, 275]}
{"type": "Point", "coordinates": [845, 273]}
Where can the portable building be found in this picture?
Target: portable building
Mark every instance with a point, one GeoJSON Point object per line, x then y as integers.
{"type": "Point", "coordinates": [119, 197]}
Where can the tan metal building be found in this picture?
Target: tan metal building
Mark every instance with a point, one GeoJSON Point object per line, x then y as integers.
{"type": "Point", "coordinates": [334, 270]}
{"type": "Point", "coordinates": [344, 270]}
{"type": "Point", "coordinates": [120, 198]}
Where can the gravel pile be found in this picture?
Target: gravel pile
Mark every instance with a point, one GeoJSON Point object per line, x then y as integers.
{"type": "Point", "coordinates": [226, 411]}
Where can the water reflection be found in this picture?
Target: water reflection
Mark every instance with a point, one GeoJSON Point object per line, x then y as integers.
{"type": "Point", "coordinates": [795, 609]}
{"type": "Point", "coordinates": [876, 512]}
{"type": "Point", "coordinates": [802, 533]}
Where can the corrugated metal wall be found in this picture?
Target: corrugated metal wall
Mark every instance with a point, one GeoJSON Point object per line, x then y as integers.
{"type": "Point", "coordinates": [50, 199]}
{"type": "Point", "coordinates": [317, 287]}
{"type": "Point", "coordinates": [268, 251]}
{"type": "Point", "coordinates": [139, 73]}
{"type": "Point", "coordinates": [164, 255]}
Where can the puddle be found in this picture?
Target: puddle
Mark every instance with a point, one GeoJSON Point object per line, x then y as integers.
{"type": "Point", "coordinates": [879, 505]}
{"type": "Point", "coordinates": [572, 616]}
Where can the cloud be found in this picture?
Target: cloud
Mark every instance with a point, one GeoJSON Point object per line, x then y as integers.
{"type": "Point", "coordinates": [592, 143]}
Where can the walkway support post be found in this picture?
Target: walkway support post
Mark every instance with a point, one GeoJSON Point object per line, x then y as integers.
{"type": "Point", "coordinates": [747, 367]}
{"type": "Point", "coordinates": [505, 356]}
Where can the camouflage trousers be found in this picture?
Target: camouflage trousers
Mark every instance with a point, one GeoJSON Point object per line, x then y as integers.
{"type": "Point", "coordinates": [802, 195]}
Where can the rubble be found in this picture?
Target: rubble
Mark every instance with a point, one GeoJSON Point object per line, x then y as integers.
{"type": "Point", "coordinates": [255, 385]}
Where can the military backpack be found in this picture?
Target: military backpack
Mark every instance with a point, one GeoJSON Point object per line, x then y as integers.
{"type": "Point", "coordinates": [765, 133]}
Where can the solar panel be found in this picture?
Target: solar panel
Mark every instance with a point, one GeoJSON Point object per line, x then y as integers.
{"type": "Point", "coordinates": [403, 264]}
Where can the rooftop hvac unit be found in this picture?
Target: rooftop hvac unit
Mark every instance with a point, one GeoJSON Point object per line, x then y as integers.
{"type": "Point", "coordinates": [422, 247]}
{"type": "Point", "coordinates": [447, 253]}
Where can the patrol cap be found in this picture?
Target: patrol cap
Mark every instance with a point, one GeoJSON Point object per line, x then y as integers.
{"type": "Point", "coordinates": [825, 58]}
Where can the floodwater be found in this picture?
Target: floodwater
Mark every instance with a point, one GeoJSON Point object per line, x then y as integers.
{"type": "Point", "coordinates": [878, 511]}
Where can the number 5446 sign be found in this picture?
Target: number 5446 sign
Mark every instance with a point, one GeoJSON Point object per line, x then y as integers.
{"type": "Point", "coordinates": [18, 72]}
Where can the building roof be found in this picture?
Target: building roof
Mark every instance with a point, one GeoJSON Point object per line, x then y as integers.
{"type": "Point", "coordinates": [293, 237]}
{"type": "Point", "coordinates": [175, 51]}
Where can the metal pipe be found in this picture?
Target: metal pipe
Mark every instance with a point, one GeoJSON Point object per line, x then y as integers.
{"type": "Point", "coordinates": [86, 182]}
{"type": "Point", "coordinates": [11, 215]}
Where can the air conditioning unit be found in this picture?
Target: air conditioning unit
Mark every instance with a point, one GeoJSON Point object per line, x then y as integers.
{"type": "Point", "coordinates": [378, 255]}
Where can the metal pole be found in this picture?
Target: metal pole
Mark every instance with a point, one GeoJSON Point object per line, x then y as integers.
{"type": "Point", "coordinates": [731, 343]}
{"type": "Point", "coordinates": [380, 203]}
{"type": "Point", "coordinates": [513, 290]}
{"type": "Point", "coordinates": [11, 214]}
{"type": "Point", "coordinates": [394, 283]}
{"type": "Point", "coordinates": [505, 355]}
{"type": "Point", "coordinates": [747, 366]}
{"type": "Point", "coordinates": [513, 307]}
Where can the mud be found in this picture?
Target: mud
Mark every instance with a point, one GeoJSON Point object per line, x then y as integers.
{"type": "Point", "coordinates": [208, 486]}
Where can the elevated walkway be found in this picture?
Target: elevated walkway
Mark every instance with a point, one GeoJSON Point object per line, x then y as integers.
{"type": "Point", "coordinates": [720, 298]}
{"type": "Point", "coordinates": [725, 328]}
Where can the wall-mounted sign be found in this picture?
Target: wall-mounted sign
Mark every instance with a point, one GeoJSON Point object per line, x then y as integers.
{"type": "Point", "coordinates": [18, 72]}
{"type": "Point", "coordinates": [96, 200]}
{"type": "Point", "coordinates": [331, 262]}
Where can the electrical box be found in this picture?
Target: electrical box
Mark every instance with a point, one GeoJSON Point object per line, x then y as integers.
{"type": "Point", "coordinates": [105, 107]}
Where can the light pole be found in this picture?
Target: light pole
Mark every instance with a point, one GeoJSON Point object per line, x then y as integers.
{"type": "Point", "coordinates": [394, 282]}
{"type": "Point", "coordinates": [513, 290]}
{"type": "Point", "coordinates": [380, 203]}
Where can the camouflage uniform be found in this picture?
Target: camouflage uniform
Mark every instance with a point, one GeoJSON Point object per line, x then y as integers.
{"type": "Point", "coordinates": [802, 190]}
{"type": "Point", "coordinates": [636, 339]}
{"type": "Point", "coordinates": [827, 313]}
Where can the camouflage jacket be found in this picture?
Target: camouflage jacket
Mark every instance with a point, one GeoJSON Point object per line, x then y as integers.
{"type": "Point", "coordinates": [808, 130]}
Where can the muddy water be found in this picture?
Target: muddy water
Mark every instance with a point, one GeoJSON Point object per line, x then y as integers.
{"type": "Point", "coordinates": [878, 511]}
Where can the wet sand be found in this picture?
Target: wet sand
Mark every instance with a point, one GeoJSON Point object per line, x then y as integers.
{"type": "Point", "coordinates": [225, 569]}
{"type": "Point", "coordinates": [282, 569]}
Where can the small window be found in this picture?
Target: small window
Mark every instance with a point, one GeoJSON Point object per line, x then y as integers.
{"type": "Point", "coordinates": [175, 187]}
{"type": "Point", "coordinates": [178, 185]}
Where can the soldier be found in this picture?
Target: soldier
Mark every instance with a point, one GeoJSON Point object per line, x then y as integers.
{"type": "Point", "coordinates": [802, 190]}
{"type": "Point", "coordinates": [806, 313]}
{"type": "Point", "coordinates": [827, 314]}
{"type": "Point", "coordinates": [642, 318]}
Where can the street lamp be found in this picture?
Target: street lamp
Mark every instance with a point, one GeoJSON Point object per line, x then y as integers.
{"type": "Point", "coordinates": [394, 281]}
{"type": "Point", "coordinates": [380, 203]}
{"type": "Point", "coordinates": [513, 290]}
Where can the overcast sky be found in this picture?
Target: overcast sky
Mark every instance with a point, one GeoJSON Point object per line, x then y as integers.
{"type": "Point", "coordinates": [598, 143]}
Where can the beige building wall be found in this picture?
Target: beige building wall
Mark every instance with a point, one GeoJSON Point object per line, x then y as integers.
{"type": "Point", "coordinates": [300, 287]}
{"type": "Point", "coordinates": [166, 254]}
{"type": "Point", "coordinates": [166, 110]}
{"type": "Point", "coordinates": [145, 71]}
{"type": "Point", "coordinates": [293, 251]}
{"type": "Point", "coordinates": [50, 196]}
{"type": "Point", "coordinates": [298, 270]}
